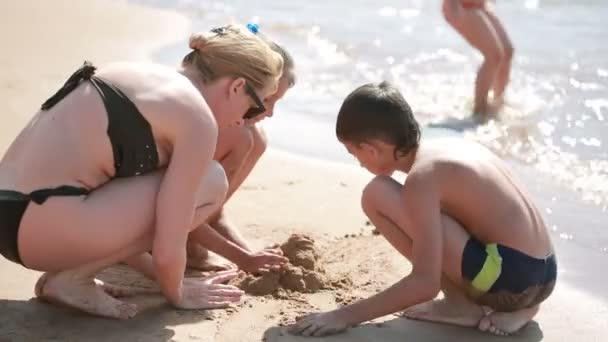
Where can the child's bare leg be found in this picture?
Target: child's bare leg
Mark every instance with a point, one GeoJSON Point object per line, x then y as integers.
{"type": "Point", "coordinates": [382, 204]}
{"type": "Point", "coordinates": [114, 223]}
{"type": "Point", "coordinates": [455, 308]}
{"type": "Point", "coordinates": [254, 138]}
{"type": "Point", "coordinates": [239, 150]}
{"type": "Point", "coordinates": [504, 71]}
{"type": "Point", "coordinates": [204, 260]}
{"type": "Point", "coordinates": [475, 26]}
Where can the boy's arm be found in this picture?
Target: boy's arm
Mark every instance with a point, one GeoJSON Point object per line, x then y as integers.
{"type": "Point", "coordinates": [422, 211]}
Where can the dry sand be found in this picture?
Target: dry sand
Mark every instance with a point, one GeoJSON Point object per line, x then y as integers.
{"type": "Point", "coordinates": [43, 42]}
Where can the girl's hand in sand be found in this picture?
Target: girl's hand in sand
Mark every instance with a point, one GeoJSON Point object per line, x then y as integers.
{"type": "Point", "coordinates": [209, 292]}
{"type": "Point", "coordinates": [263, 260]}
{"type": "Point", "coordinates": [274, 249]}
{"type": "Point", "coordinates": [319, 324]}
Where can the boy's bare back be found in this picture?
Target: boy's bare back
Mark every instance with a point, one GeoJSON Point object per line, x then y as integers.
{"type": "Point", "coordinates": [478, 190]}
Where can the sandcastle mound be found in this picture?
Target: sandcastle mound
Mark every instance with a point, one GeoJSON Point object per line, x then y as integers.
{"type": "Point", "coordinates": [302, 274]}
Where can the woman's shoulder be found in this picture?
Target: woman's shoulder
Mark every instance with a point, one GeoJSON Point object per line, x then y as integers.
{"type": "Point", "coordinates": [157, 89]}
{"type": "Point", "coordinates": [141, 76]}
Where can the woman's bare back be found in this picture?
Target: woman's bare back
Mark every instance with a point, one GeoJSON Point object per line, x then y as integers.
{"type": "Point", "coordinates": [69, 143]}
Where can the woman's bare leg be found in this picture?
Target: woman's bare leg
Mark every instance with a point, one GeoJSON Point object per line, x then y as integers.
{"type": "Point", "coordinates": [110, 225]}
{"type": "Point", "coordinates": [475, 26]}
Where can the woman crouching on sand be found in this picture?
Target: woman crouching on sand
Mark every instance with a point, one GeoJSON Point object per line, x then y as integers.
{"type": "Point", "coordinates": [127, 155]}
{"type": "Point", "coordinates": [239, 148]}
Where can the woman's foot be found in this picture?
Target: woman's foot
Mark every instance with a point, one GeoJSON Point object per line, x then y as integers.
{"type": "Point", "coordinates": [117, 291]}
{"type": "Point", "coordinates": [85, 294]}
{"type": "Point", "coordinates": [506, 323]}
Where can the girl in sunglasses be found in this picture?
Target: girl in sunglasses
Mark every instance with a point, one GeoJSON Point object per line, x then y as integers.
{"type": "Point", "coordinates": [238, 150]}
{"type": "Point", "coordinates": [127, 153]}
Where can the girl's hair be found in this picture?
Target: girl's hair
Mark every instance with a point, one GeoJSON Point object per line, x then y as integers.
{"type": "Point", "coordinates": [288, 63]}
{"type": "Point", "coordinates": [234, 51]}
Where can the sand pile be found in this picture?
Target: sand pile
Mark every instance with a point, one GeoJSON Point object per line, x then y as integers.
{"type": "Point", "coordinates": [302, 274]}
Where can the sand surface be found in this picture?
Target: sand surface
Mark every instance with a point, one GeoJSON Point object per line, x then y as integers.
{"type": "Point", "coordinates": [43, 42]}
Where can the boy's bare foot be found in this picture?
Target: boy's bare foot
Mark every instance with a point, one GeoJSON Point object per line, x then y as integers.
{"type": "Point", "coordinates": [448, 312]}
{"type": "Point", "coordinates": [85, 294]}
{"type": "Point", "coordinates": [505, 323]}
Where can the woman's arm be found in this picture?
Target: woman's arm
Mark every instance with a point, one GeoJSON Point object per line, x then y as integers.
{"type": "Point", "coordinates": [194, 135]}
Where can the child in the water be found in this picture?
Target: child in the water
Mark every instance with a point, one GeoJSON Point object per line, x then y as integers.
{"type": "Point", "coordinates": [479, 25]}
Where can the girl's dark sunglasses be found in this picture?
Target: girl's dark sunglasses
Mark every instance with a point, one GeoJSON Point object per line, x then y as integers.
{"type": "Point", "coordinates": [259, 108]}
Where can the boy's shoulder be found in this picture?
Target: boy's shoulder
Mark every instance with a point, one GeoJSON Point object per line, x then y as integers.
{"type": "Point", "coordinates": [450, 158]}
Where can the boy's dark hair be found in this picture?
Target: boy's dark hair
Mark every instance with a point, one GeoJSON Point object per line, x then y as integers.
{"type": "Point", "coordinates": [378, 111]}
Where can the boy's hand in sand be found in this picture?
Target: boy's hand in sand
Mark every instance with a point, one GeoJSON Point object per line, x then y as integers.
{"type": "Point", "coordinates": [263, 260]}
{"type": "Point", "coordinates": [209, 292]}
{"type": "Point", "coordinates": [320, 324]}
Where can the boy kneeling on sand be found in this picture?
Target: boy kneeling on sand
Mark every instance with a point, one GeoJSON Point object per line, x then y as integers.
{"type": "Point", "coordinates": [464, 221]}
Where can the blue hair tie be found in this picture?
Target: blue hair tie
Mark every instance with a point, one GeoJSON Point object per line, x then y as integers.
{"type": "Point", "coordinates": [254, 28]}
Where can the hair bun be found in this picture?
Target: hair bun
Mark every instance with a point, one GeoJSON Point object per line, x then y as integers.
{"type": "Point", "coordinates": [198, 41]}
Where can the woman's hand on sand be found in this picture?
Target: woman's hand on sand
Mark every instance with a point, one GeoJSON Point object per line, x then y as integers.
{"type": "Point", "coordinates": [263, 260]}
{"type": "Point", "coordinates": [209, 292]}
{"type": "Point", "coordinates": [319, 324]}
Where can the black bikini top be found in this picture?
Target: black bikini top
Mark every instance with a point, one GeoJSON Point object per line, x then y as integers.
{"type": "Point", "coordinates": [130, 134]}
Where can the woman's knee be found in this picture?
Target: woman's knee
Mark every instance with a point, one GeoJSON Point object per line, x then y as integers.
{"type": "Point", "coordinates": [377, 190]}
{"type": "Point", "coordinates": [214, 186]}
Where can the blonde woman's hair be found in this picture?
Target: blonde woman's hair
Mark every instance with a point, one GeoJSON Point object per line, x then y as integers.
{"type": "Point", "coordinates": [234, 51]}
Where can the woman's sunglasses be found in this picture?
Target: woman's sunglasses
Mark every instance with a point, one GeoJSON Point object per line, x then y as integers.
{"type": "Point", "coordinates": [259, 108]}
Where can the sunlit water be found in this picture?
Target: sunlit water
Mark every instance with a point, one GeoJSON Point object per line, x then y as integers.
{"type": "Point", "coordinates": [556, 120]}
